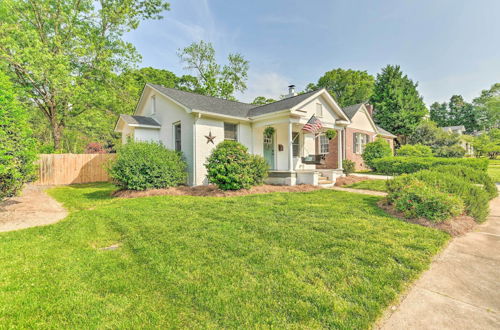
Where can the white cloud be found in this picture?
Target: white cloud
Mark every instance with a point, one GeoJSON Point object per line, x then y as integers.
{"type": "Point", "coordinates": [268, 84]}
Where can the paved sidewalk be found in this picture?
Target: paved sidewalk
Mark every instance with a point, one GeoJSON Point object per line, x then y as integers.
{"type": "Point", "coordinates": [461, 290]}
{"type": "Point", "coordinates": [33, 208]}
{"type": "Point", "coordinates": [359, 191]}
{"type": "Point", "coordinates": [373, 176]}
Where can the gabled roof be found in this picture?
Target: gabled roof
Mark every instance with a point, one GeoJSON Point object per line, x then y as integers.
{"type": "Point", "coordinates": [351, 110]}
{"type": "Point", "coordinates": [383, 132]}
{"type": "Point", "coordinates": [284, 104]}
{"type": "Point", "coordinates": [140, 121]}
{"type": "Point", "coordinates": [206, 103]}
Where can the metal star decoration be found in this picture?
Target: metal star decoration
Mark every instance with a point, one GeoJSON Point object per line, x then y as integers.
{"type": "Point", "coordinates": [210, 138]}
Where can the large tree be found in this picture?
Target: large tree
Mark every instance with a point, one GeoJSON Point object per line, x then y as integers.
{"type": "Point", "coordinates": [347, 87]}
{"type": "Point", "coordinates": [457, 112]}
{"type": "Point", "coordinates": [215, 79]}
{"type": "Point", "coordinates": [488, 103]}
{"type": "Point", "coordinates": [17, 148]}
{"type": "Point", "coordinates": [399, 108]}
{"type": "Point", "coordinates": [64, 53]}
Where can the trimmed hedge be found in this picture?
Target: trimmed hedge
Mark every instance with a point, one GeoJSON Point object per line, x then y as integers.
{"type": "Point", "coordinates": [473, 175]}
{"type": "Point", "coordinates": [414, 150]}
{"type": "Point", "coordinates": [377, 149]}
{"type": "Point", "coordinates": [147, 165]}
{"type": "Point", "coordinates": [402, 165]}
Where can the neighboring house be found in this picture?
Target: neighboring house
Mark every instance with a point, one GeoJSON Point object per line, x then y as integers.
{"type": "Point", "coordinates": [460, 130]}
{"type": "Point", "coordinates": [360, 131]}
{"type": "Point", "coordinates": [195, 124]}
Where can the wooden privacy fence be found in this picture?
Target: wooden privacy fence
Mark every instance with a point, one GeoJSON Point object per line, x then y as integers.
{"type": "Point", "coordinates": [72, 168]}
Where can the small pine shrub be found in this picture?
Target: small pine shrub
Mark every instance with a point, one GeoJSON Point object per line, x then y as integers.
{"type": "Point", "coordinates": [470, 174]}
{"type": "Point", "coordinates": [231, 167]}
{"type": "Point", "coordinates": [379, 148]}
{"type": "Point", "coordinates": [418, 200]}
{"type": "Point", "coordinates": [415, 150]}
{"type": "Point", "coordinates": [349, 166]}
{"type": "Point", "coordinates": [147, 165]}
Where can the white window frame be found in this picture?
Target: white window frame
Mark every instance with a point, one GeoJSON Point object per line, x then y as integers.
{"type": "Point", "coordinates": [174, 131]}
{"type": "Point", "coordinates": [296, 144]}
{"type": "Point", "coordinates": [153, 105]}
{"type": "Point", "coordinates": [324, 144]}
{"type": "Point", "coordinates": [236, 128]}
{"type": "Point", "coordinates": [360, 141]}
{"type": "Point", "coordinates": [319, 110]}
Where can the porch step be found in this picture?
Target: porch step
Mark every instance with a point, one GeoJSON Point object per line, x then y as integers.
{"type": "Point", "coordinates": [325, 182]}
{"type": "Point", "coordinates": [323, 178]}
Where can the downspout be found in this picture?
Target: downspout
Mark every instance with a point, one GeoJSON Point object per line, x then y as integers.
{"type": "Point", "coordinates": [194, 181]}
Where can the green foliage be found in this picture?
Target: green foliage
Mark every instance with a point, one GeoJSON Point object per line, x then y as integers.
{"type": "Point", "coordinates": [488, 104]}
{"type": "Point", "coordinates": [17, 148]}
{"type": "Point", "coordinates": [231, 167]}
{"type": "Point", "coordinates": [487, 144]}
{"type": "Point", "coordinates": [269, 131]}
{"type": "Point", "coordinates": [418, 200]}
{"type": "Point", "coordinates": [399, 106]}
{"type": "Point", "coordinates": [470, 174]}
{"type": "Point", "coordinates": [455, 151]}
{"type": "Point", "coordinates": [214, 79]}
{"type": "Point", "coordinates": [375, 185]}
{"type": "Point", "coordinates": [63, 55]}
{"type": "Point", "coordinates": [261, 100]}
{"type": "Point", "coordinates": [458, 112]}
{"type": "Point", "coordinates": [347, 87]}
{"type": "Point", "coordinates": [444, 144]}
{"type": "Point", "coordinates": [401, 165]}
{"type": "Point", "coordinates": [379, 148]}
{"type": "Point", "coordinates": [147, 165]}
{"type": "Point", "coordinates": [414, 150]}
{"type": "Point", "coordinates": [349, 166]}
{"type": "Point", "coordinates": [331, 134]}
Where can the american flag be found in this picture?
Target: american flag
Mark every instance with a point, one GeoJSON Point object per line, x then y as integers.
{"type": "Point", "coordinates": [313, 125]}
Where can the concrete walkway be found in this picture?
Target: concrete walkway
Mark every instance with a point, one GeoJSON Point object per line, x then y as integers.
{"type": "Point", "coordinates": [359, 191]}
{"type": "Point", "coordinates": [373, 176]}
{"type": "Point", "coordinates": [33, 208]}
{"type": "Point", "coordinates": [461, 290]}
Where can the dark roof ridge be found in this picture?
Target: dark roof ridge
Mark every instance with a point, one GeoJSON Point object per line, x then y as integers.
{"type": "Point", "coordinates": [288, 98]}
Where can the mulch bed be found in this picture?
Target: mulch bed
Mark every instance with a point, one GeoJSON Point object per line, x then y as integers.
{"type": "Point", "coordinates": [457, 226]}
{"type": "Point", "coordinates": [350, 179]}
{"type": "Point", "coordinates": [212, 191]}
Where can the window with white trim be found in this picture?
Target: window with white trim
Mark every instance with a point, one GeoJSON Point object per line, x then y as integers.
{"type": "Point", "coordinates": [360, 141]}
{"type": "Point", "coordinates": [230, 132]}
{"type": "Point", "coordinates": [319, 110]}
{"type": "Point", "coordinates": [177, 137]}
{"type": "Point", "coordinates": [324, 144]}
{"type": "Point", "coordinates": [295, 144]}
{"type": "Point", "coordinates": [153, 105]}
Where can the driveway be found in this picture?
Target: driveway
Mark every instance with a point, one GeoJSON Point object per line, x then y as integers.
{"type": "Point", "coordinates": [33, 208]}
{"type": "Point", "coordinates": [461, 290]}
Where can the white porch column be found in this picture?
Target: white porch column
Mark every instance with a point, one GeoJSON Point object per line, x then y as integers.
{"type": "Point", "coordinates": [290, 147]}
{"type": "Point", "coordinates": [339, 148]}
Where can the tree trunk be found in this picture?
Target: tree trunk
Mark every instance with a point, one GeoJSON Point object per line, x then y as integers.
{"type": "Point", "coordinates": [56, 134]}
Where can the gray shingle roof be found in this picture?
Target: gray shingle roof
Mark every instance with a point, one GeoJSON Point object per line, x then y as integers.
{"type": "Point", "coordinates": [284, 104]}
{"type": "Point", "coordinates": [206, 103]}
{"type": "Point", "coordinates": [226, 107]}
{"type": "Point", "coordinates": [384, 132]}
{"type": "Point", "coordinates": [351, 110]}
{"type": "Point", "coordinates": [140, 120]}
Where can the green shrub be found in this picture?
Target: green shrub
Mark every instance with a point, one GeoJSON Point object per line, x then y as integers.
{"type": "Point", "coordinates": [349, 166]}
{"type": "Point", "coordinates": [231, 167]}
{"type": "Point", "coordinates": [147, 165]}
{"type": "Point", "coordinates": [374, 150]}
{"type": "Point", "coordinates": [470, 174]}
{"type": "Point", "coordinates": [415, 150]}
{"type": "Point", "coordinates": [456, 151]}
{"type": "Point", "coordinates": [401, 165]}
{"type": "Point", "coordinates": [418, 200]}
{"type": "Point", "coordinates": [17, 148]}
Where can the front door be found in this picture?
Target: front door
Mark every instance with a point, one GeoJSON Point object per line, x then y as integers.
{"type": "Point", "coordinates": [269, 150]}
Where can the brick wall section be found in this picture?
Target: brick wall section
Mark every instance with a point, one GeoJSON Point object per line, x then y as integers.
{"type": "Point", "coordinates": [332, 158]}
{"type": "Point", "coordinates": [356, 158]}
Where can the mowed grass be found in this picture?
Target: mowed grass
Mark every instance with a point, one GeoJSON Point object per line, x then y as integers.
{"type": "Point", "coordinates": [322, 259]}
{"type": "Point", "coordinates": [376, 185]}
{"type": "Point", "coordinates": [494, 170]}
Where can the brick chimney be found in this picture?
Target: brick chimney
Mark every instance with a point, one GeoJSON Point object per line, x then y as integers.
{"type": "Point", "coordinates": [369, 107]}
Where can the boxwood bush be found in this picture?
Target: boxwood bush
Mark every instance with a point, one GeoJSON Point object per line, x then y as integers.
{"type": "Point", "coordinates": [418, 200]}
{"type": "Point", "coordinates": [379, 148]}
{"type": "Point", "coordinates": [231, 167]}
{"type": "Point", "coordinates": [147, 165]}
{"type": "Point", "coordinates": [401, 165]}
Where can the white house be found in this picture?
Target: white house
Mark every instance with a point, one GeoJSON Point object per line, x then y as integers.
{"type": "Point", "coordinates": [195, 124]}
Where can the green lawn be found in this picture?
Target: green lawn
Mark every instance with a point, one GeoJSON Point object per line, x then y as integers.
{"type": "Point", "coordinates": [494, 170]}
{"type": "Point", "coordinates": [322, 259]}
{"type": "Point", "coordinates": [377, 185]}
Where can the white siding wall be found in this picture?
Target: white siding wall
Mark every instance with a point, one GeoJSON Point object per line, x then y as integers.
{"type": "Point", "coordinates": [126, 132]}
{"type": "Point", "coordinates": [167, 114]}
{"type": "Point", "coordinates": [329, 115]}
{"type": "Point", "coordinates": [360, 121]}
{"type": "Point", "coordinates": [146, 134]}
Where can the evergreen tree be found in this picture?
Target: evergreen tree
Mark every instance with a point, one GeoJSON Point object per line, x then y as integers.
{"type": "Point", "coordinates": [399, 108]}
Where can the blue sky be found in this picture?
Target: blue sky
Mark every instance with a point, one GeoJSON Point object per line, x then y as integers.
{"type": "Point", "coordinates": [448, 46]}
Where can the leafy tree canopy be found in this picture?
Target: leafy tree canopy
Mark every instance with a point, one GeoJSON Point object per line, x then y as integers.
{"type": "Point", "coordinates": [63, 53]}
{"type": "Point", "coordinates": [347, 87]}
{"type": "Point", "coordinates": [261, 100]}
{"type": "Point", "coordinates": [458, 112]}
{"type": "Point", "coordinates": [488, 144]}
{"type": "Point", "coordinates": [489, 103]}
{"type": "Point", "coordinates": [399, 108]}
{"type": "Point", "coordinates": [215, 79]}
